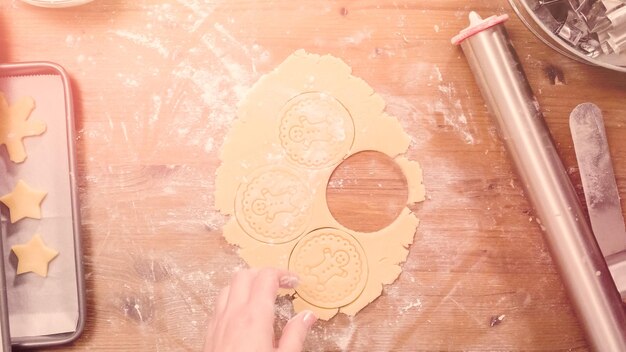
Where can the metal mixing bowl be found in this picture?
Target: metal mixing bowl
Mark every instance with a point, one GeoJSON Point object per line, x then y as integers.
{"type": "Point", "coordinates": [533, 22]}
{"type": "Point", "coordinates": [57, 3]}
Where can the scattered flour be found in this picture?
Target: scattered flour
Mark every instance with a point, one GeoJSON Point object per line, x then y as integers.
{"type": "Point", "coordinates": [411, 305]}
{"type": "Point", "coordinates": [344, 340]}
{"type": "Point", "coordinates": [156, 102]}
{"type": "Point", "coordinates": [336, 183]}
{"type": "Point", "coordinates": [449, 106]}
{"type": "Point", "coordinates": [357, 38]}
{"type": "Point", "coordinates": [143, 40]}
{"type": "Point", "coordinates": [438, 74]}
{"type": "Point", "coordinates": [445, 103]}
{"type": "Point", "coordinates": [208, 146]}
{"type": "Point", "coordinates": [72, 41]}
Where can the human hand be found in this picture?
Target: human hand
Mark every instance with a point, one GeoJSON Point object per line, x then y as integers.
{"type": "Point", "coordinates": [244, 315]}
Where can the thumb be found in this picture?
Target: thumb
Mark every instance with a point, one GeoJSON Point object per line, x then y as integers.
{"type": "Point", "coordinates": [294, 333]}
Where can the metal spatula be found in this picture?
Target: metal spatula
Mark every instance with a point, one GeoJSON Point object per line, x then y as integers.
{"type": "Point", "coordinates": [601, 194]}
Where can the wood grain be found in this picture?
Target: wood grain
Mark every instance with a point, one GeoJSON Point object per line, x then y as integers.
{"type": "Point", "coordinates": [367, 185]}
{"type": "Point", "coordinates": [156, 86]}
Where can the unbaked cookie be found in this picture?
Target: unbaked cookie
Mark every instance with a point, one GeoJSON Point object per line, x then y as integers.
{"type": "Point", "coordinates": [15, 126]}
{"type": "Point", "coordinates": [24, 202]}
{"type": "Point", "coordinates": [34, 256]}
{"type": "Point", "coordinates": [295, 126]}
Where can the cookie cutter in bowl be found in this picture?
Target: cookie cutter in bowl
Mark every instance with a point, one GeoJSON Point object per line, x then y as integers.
{"type": "Point", "coordinates": [540, 30]}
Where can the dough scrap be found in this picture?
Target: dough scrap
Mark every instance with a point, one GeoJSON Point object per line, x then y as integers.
{"type": "Point", "coordinates": [15, 126]}
{"type": "Point", "coordinates": [294, 127]}
{"type": "Point", "coordinates": [34, 256]}
{"type": "Point", "coordinates": [24, 202]}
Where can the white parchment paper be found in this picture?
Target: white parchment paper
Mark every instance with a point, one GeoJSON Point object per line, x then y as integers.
{"type": "Point", "coordinates": [41, 306]}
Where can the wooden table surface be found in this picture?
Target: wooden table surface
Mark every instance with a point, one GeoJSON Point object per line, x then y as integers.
{"type": "Point", "coordinates": [156, 85]}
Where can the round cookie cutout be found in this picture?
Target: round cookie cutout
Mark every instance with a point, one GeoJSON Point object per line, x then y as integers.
{"type": "Point", "coordinates": [332, 267]}
{"type": "Point", "coordinates": [316, 130]}
{"type": "Point", "coordinates": [274, 205]}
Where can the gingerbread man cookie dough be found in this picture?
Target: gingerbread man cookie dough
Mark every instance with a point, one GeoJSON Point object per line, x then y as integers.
{"type": "Point", "coordinates": [295, 126]}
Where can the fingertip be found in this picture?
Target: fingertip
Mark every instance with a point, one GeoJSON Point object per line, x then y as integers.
{"type": "Point", "coordinates": [296, 330]}
{"type": "Point", "coordinates": [309, 318]}
{"type": "Point", "coordinates": [289, 280]}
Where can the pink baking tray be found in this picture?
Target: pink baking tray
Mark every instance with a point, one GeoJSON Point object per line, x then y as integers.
{"type": "Point", "coordinates": [34, 303]}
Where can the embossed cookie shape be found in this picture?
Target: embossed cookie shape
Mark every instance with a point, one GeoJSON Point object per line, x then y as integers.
{"type": "Point", "coordinates": [15, 126]}
{"type": "Point", "coordinates": [274, 205]}
{"type": "Point", "coordinates": [316, 130]}
{"type": "Point", "coordinates": [295, 126]}
{"type": "Point", "coordinates": [332, 266]}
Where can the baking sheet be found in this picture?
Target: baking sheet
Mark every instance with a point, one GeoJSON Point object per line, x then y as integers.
{"type": "Point", "coordinates": [42, 306]}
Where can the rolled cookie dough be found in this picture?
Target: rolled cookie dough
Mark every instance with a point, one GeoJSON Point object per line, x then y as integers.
{"type": "Point", "coordinates": [295, 126]}
{"type": "Point", "coordinates": [15, 126]}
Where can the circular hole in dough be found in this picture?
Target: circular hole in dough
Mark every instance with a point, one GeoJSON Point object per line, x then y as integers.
{"type": "Point", "coordinates": [367, 192]}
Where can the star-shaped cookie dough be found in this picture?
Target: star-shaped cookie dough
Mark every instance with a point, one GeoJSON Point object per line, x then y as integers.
{"type": "Point", "coordinates": [24, 202]}
{"type": "Point", "coordinates": [34, 256]}
{"type": "Point", "coordinates": [15, 126]}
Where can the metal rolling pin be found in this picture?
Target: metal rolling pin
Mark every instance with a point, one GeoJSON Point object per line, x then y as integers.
{"type": "Point", "coordinates": [515, 110]}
